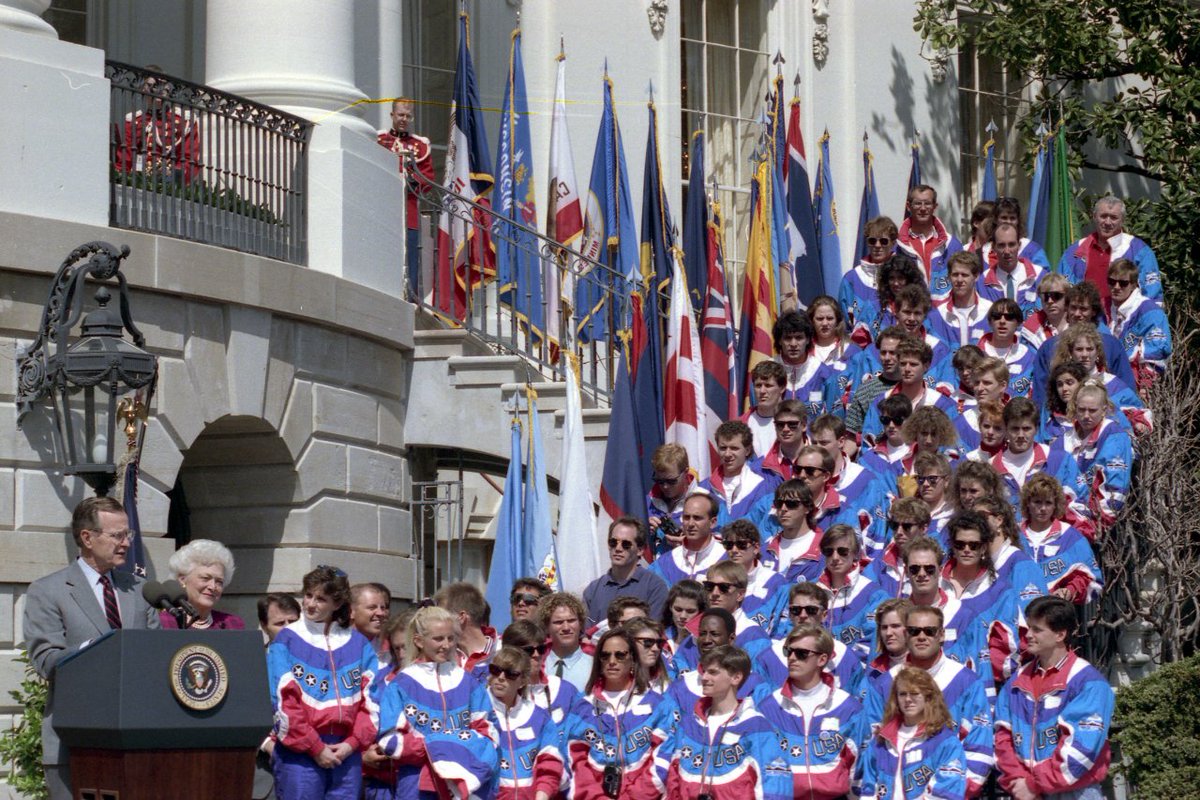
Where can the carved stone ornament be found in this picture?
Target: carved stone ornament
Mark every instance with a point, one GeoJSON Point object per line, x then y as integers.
{"type": "Point", "coordinates": [657, 12]}
{"type": "Point", "coordinates": [820, 45]}
{"type": "Point", "coordinates": [939, 65]}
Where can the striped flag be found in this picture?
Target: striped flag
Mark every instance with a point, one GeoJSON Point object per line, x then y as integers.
{"type": "Point", "coordinates": [781, 245]}
{"type": "Point", "coordinates": [801, 223]}
{"type": "Point", "coordinates": [564, 213]}
{"type": "Point", "coordinates": [717, 344]}
{"type": "Point", "coordinates": [759, 309]}
{"type": "Point", "coordinates": [466, 255]}
{"type": "Point", "coordinates": [684, 414]}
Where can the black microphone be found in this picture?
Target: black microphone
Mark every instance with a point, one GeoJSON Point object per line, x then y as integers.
{"type": "Point", "coordinates": [167, 595]}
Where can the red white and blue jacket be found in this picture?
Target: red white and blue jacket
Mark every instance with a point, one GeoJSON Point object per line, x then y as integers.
{"type": "Point", "coordinates": [1142, 328]}
{"type": "Point", "coordinates": [1037, 330]}
{"type": "Point", "coordinates": [529, 744]}
{"type": "Point", "coordinates": [1066, 559]}
{"type": "Point", "coordinates": [872, 427]}
{"type": "Point", "coordinates": [680, 563]}
{"type": "Point", "coordinates": [1052, 460]}
{"type": "Point", "coordinates": [766, 596]}
{"type": "Point", "coordinates": [1114, 357]}
{"type": "Point", "coordinates": [806, 567]}
{"type": "Point", "coordinates": [947, 325]}
{"type": "Point", "coordinates": [844, 667]}
{"type": "Point", "coordinates": [820, 752]}
{"type": "Point", "coordinates": [858, 296]}
{"type": "Point", "coordinates": [862, 489]}
{"type": "Point", "coordinates": [624, 737]}
{"type": "Point", "coordinates": [967, 702]}
{"type": "Point", "coordinates": [1105, 459]}
{"type": "Point", "coordinates": [927, 767]}
{"type": "Point", "coordinates": [993, 286]}
{"type": "Point", "coordinates": [1020, 359]}
{"type": "Point", "coordinates": [851, 615]}
{"type": "Point", "coordinates": [805, 383]}
{"type": "Point", "coordinates": [320, 686]}
{"type": "Point", "coordinates": [930, 254]}
{"type": "Point", "coordinates": [1015, 566]}
{"type": "Point", "coordinates": [1052, 727]}
{"type": "Point", "coordinates": [992, 606]}
{"type": "Point", "coordinates": [755, 485]}
{"type": "Point", "coordinates": [1073, 263]}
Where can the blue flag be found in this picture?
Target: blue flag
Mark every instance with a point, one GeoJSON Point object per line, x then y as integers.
{"type": "Point", "coordinates": [608, 235]}
{"type": "Point", "coordinates": [657, 236]}
{"type": "Point", "coordinates": [1038, 218]}
{"type": "Point", "coordinates": [624, 485]}
{"type": "Point", "coordinates": [805, 248]}
{"type": "Point", "coordinates": [135, 561]}
{"type": "Point", "coordinates": [518, 259]}
{"type": "Point", "coordinates": [510, 539]}
{"type": "Point", "coordinates": [989, 172]}
{"type": "Point", "coordinates": [695, 225]}
{"type": "Point", "coordinates": [781, 244]}
{"type": "Point", "coordinates": [646, 366]}
{"type": "Point", "coordinates": [538, 559]}
{"type": "Point", "coordinates": [827, 224]}
{"type": "Point", "coordinates": [868, 209]}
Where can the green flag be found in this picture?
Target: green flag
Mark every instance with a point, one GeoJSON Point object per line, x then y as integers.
{"type": "Point", "coordinates": [1061, 230]}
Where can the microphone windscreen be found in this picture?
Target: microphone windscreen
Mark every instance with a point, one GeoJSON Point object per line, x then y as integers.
{"type": "Point", "coordinates": [175, 591]}
{"type": "Point", "coordinates": [155, 594]}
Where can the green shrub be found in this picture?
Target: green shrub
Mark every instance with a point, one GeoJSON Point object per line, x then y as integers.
{"type": "Point", "coordinates": [1158, 731]}
{"type": "Point", "coordinates": [22, 746]}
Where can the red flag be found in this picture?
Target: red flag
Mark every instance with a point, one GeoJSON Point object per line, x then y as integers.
{"type": "Point", "coordinates": [683, 394]}
{"type": "Point", "coordinates": [717, 340]}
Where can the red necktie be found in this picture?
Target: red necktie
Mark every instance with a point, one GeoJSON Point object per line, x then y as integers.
{"type": "Point", "coordinates": [111, 611]}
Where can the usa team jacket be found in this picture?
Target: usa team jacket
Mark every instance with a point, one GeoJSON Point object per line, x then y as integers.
{"type": "Point", "coordinates": [851, 617]}
{"type": "Point", "coordinates": [1055, 462]}
{"type": "Point", "coordinates": [820, 752]}
{"type": "Point", "coordinates": [1114, 357]}
{"type": "Point", "coordinates": [927, 766]}
{"type": "Point", "coordinates": [1104, 458]}
{"type": "Point", "coordinates": [966, 699]}
{"type": "Point", "coordinates": [1052, 727]}
{"type": "Point", "coordinates": [930, 254]}
{"type": "Point", "coordinates": [529, 744]}
{"type": "Point", "coordinates": [766, 596]}
{"type": "Point", "coordinates": [858, 296]}
{"type": "Point", "coordinates": [806, 382]}
{"type": "Point", "coordinates": [686, 691]}
{"type": "Point", "coordinates": [1073, 263]}
{"type": "Point", "coordinates": [948, 326]}
{"type": "Point", "coordinates": [1018, 568]}
{"type": "Point", "coordinates": [872, 427]}
{"type": "Point", "coordinates": [844, 667]}
{"type": "Point", "coordinates": [993, 285]}
{"type": "Point", "coordinates": [994, 606]}
{"type": "Point", "coordinates": [1066, 559]}
{"type": "Point", "coordinates": [755, 485]}
{"type": "Point", "coordinates": [1141, 326]}
{"type": "Point", "coordinates": [1021, 360]}
{"type": "Point", "coordinates": [680, 563]}
{"type": "Point", "coordinates": [320, 685]}
{"type": "Point", "coordinates": [624, 737]}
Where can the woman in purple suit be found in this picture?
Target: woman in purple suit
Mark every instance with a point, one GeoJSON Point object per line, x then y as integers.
{"type": "Point", "coordinates": [203, 567]}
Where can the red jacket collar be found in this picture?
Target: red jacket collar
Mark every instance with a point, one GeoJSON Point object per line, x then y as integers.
{"type": "Point", "coordinates": [1024, 272]}
{"type": "Point", "coordinates": [811, 554]}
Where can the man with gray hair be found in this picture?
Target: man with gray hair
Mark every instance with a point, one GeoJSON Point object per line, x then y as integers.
{"type": "Point", "coordinates": [1089, 258]}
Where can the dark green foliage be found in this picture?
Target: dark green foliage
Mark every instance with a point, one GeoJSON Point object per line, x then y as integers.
{"type": "Point", "coordinates": [196, 192]}
{"type": "Point", "coordinates": [22, 746]}
{"type": "Point", "coordinates": [1157, 732]}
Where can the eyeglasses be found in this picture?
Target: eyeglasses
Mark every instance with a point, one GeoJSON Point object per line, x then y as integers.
{"type": "Point", "coordinates": [524, 600]}
{"type": "Point", "coordinates": [929, 630]}
{"type": "Point", "coordinates": [917, 569]}
{"type": "Point", "coordinates": [1119, 283]}
{"type": "Point", "coordinates": [496, 672]}
{"type": "Point", "coordinates": [737, 545]}
{"type": "Point", "coordinates": [800, 653]}
{"type": "Point", "coordinates": [620, 544]}
{"type": "Point", "coordinates": [1008, 315]}
{"type": "Point", "coordinates": [791, 505]}
{"type": "Point", "coordinates": [959, 544]}
{"type": "Point", "coordinates": [614, 655]}
{"type": "Point", "coordinates": [906, 526]}
{"type": "Point", "coordinates": [120, 537]}
{"type": "Point", "coordinates": [721, 586]}
{"type": "Point", "coordinates": [1053, 297]}
{"type": "Point", "coordinates": [536, 650]}
{"type": "Point", "coordinates": [921, 203]}
{"type": "Point", "coordinates": [885, 421]}
{"type": "Point", "coordinates": [667, 481]}
{"type": "Point", "coordinates": [926, 480]}
{"type": "Point", "coordinates": [809, 611]}
{"type": "Point", "coordinates": [787, 424]}
{"type": "Point", "coordinates": [811, 472]}
{"type": "Point", "coordinates": [843, 552]}
{"type": "Point", "coordinates": [876, 242]}
{"type": "Point", "coordinates": [648, 642]}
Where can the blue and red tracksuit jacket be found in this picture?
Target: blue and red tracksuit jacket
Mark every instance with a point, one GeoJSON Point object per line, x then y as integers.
{"type": "Point", "coordinates": [859, 298]}
{"type": "Point", "coordinates": [680, 563]}
{"type": "Point", "coordinates": [624, 737]}
{"type": "Point", "coordinates": [1067, 560]}
{"type": "Point", "coordinates": [1052, 727]}
{"type": "Point", "coordinates": [928, 766]}
{"type": "Point", "coordinates": [531, 758]}
{"type": "Point", "coordinates": [756, 484]}
{"type": "Point", "coordinates": [930, 254]}
{"type": "Point", "coordinates": [806, 567]}
{"type": "Point", "coordinates": [993, 606]}
{"type": "Point", "coordinates": [1105, 459]}
{"type": "Point", "coordinates": [1073, 263]}
{"type": "Point", "coordinates": [820, 752]}
{"type": "Point", "coordinates": [730, 764]}
{"type": "Point", "coordinates": [1015, 566]}
{"type": "Point", "coordinates": [1140, 324]}
{"type": "Point", "coordinates": [1052, 460]}
{"type": "Point", "coordinates": [851, 617]}
{"type": "Point", "coordinates": [967, 701]}
{"type": "Point", "coordinates": [766, 596]}
{"type": "Point", "coordinates": [320, 686]}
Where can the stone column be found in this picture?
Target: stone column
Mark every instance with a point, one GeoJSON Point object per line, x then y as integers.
{"type": "Point", "coordinates": [55, 139]}
{"type": "Point", "coordinates": [298, 55]}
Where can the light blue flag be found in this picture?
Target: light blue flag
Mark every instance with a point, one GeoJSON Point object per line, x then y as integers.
{"type": "Point", "coordinates": [510, 537]}
{"type": "Point", "coordinates": [537, 559]}
{"type": "Point", "coordinates": [827, 224]}
{"type": "Point", "coordinates": [518, 261]}
{"type": "Point", "coordinates": [1038, 214]}
{"type": "Point", "coordinates": [989, 172]}
{"type": "Point", "coordinates": [868, 208]}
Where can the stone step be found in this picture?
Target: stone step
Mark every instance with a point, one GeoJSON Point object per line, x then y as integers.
{"type": "Point", "coordinates": [441, 343]}
{"type": "Point", "coordinates": [485, 371]}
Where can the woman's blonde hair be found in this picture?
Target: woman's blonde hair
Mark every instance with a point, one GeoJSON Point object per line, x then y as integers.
{"type": "Point", "coordinates": [420, 624]}
{"type": "Point", "coordinates": [936, 715]}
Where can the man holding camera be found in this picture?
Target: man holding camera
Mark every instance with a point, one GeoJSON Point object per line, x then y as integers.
{"type": "Point", "coordinates": [625, 576]}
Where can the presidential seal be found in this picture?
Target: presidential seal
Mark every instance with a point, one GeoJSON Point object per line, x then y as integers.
{"type": "Point", "coordinates": [198, 677]}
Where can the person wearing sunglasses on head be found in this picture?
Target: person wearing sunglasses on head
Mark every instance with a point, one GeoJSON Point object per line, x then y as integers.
{"type": "Point", "coordinates": [625, 577]}
{"type": "Point", "coordinates": [381, 773]}
{"type": "Point", "coordinates": [853, 595]}
{"type": "Point", "coordinates": [821, 726]}
{"type": "Point", "coordinates": [914, 358]}
{"type": "Point", "coordinates": [914, 755]}
{"type": "Point", "coordinates": [613, 740]}
{"type": "Point", "coordinates": [790, 421]}
{"type": "Point", "coordinates": [1009, 275]}
{"type": "Point", "coordinates": [923, 237]}
{"type": "Point", "coordinates": [552, 693]}
{"type": "Point", "coordinates": [858, 293]}
{"type": "Point", "coordinates": [700, 549]}
{"type": "Point", "coordinates": [1138, 322]}
{"type": "Point", "coordinates": [794, 549]}
{"type": "Point", "coordinates": [963, 691]}
{"type": "Point", "coordinates": [908, 517]}
{"type": "Point", "coordinates": [1050, 319]}
{"type": "Point", "coordinates": [808, 603]}
{"type": "Point", "coordinates": [1088, 259]}
{"type": "Point", "coordinates": [738, 481]}
{"type": "Point", "coordinates": [673, 482]}
{"type": "Point", "coordinates": [857, 487]}
{"type": "Point", "coordinates": [959, 318]}
{"type": "Point", "coordinates": [766, 590]}
{"type": "Point", "coordinates": [1005, 319]}
{"type": "Point", "coordinates": [531, 763]}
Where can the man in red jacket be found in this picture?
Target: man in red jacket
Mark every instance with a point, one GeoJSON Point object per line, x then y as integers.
{"type": "Point", "coordinates": [414, 154]}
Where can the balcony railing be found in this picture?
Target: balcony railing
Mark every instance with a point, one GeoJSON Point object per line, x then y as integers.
{"type": "Point", "coordinates": [195, 163]}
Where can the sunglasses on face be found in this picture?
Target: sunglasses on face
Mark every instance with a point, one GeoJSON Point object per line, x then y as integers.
{"type": "Point", "coordinates": [1008, 315]}
{"type": "Point", "coordinates": [667, 481]}
{"type": "Point", "coordinates": [787, 424]}
{"type": "Point", "coordinates": [905, 526]}
{"type": "Point", "coordinates": [810, 611]}
{"type": "Point", "coordinates": [791, 505]}
{"type": "Point", "coordinates": [620, 544]}
{"type": "Point", "coordinates": [648, 642]}
{"type": "Point", "coordinates": [928, 630]}
{"type": "Point", "coordinates": [959, 544]}
{"type": "Point", "coordinates": [878, 242]}
{"type": "Point", "coordinates": [720, 586]}
{"type": "Point", "coordinates": [929, 480]}
{"type": "Point", "coordinates": [614, 655]}
{"type": "Point", "coordinates": [885, 421]}
{"type": "Point", "coordinates": [496, 672]}
{"type": "Point", "coordinates": [811, 472]}
{"type": "Point", "coordinates": [1118, 283]}
{"type": "Point", "coordinates": [738, 545]}
{"type": "Point", "coordinates": [1054, 297]}
{"type": "Point", "coordinates": [524, 600]}
{"type": "Point", "coordinates": [800, 653]}
{"type": "Point", "coordinates": [843, 552]}
{"type": "Point", "coordinates": [917, 569]}
{"type": "Point", "coordinates": [536, 650]}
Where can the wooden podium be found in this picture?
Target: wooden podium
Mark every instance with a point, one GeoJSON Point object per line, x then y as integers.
{"type": "Point", "coordinates": [149, 715]}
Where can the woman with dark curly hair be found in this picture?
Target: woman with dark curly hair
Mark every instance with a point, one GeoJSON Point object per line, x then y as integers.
{"type": "Point", "coordinates": [897, 272]}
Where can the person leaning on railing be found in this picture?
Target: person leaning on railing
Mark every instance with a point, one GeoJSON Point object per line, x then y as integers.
{"type": "Point", "coordinates": [159, 141]}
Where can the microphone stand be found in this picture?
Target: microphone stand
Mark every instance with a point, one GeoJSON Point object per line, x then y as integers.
{"type": "Point", "coordinates": [181, 612]}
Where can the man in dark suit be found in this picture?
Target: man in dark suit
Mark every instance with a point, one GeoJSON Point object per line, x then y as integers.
{"type": "Point", "coordinates": [66, 611]}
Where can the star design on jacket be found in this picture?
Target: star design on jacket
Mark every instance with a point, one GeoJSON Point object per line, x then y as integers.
{"type": "Point", "coordinates": [310, 679]}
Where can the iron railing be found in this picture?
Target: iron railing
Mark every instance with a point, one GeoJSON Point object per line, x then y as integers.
{"type": "Point", "coordinates": [439, 530]}
{"type": "Point", "coordinates": [196, 163]}
{"type": "Point", "coordinates": [501, 319]}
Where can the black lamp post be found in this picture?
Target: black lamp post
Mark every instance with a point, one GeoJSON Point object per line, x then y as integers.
{"type": "Point", "coordinates": [94, 381]}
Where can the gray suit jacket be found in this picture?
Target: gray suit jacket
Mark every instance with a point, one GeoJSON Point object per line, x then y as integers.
{"type": "Point", "coordinates": [61, 615]}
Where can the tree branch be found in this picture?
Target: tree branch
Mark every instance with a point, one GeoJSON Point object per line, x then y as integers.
{"type": "Point", "coordinates": [1132, 169]}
